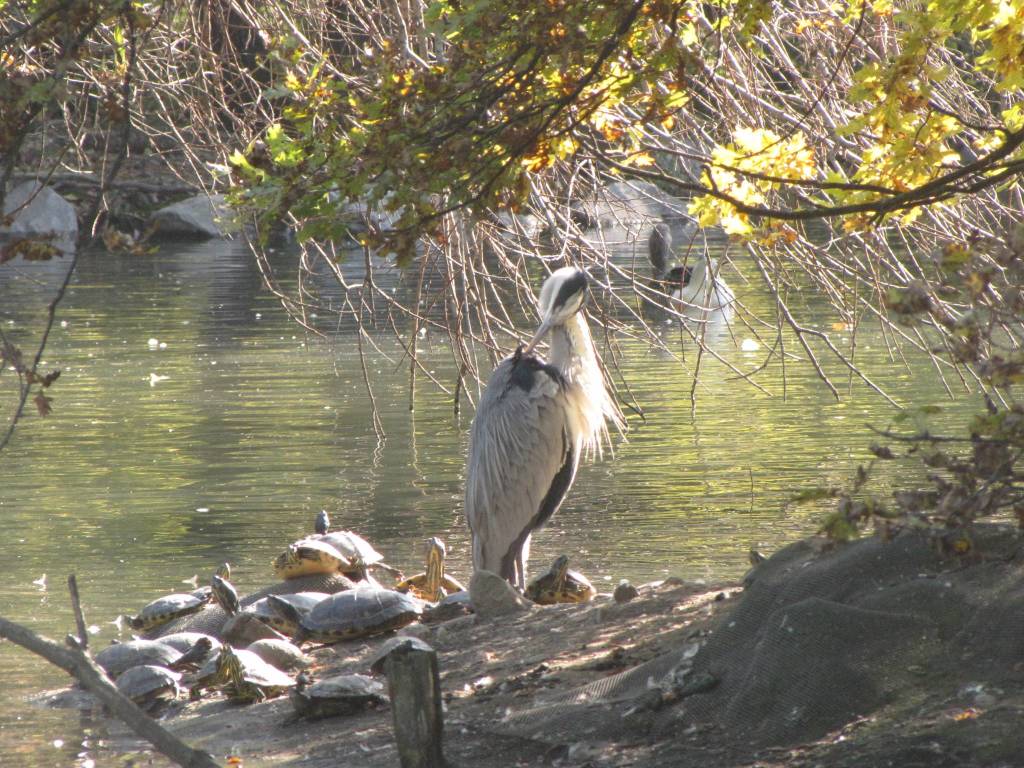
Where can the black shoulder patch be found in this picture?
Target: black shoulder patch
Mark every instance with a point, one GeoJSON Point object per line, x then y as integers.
{"type": "Point", "coordinates": [572, 286]}
{"type": "Point", "coordinates": [526, 368]}
{"type": "Point", "coordinates": [680, 275]}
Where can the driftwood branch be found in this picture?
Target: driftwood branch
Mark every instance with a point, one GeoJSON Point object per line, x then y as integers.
{"type": "Point", "coordinates": [78, 664]}
{"type": "Point", "coordinates": [76, 606]}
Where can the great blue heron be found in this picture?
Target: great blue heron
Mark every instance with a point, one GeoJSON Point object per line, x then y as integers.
{"type": "Point", "coordinates": [698, 284]}
{"type": "Point", "coordinates": [533, 422]}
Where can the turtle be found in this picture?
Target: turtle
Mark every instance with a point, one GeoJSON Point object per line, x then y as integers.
{"type": "Point", "coordinates": [209, 676]}
{"type": "Point", "coordinates": [560, 585]}
{"type": "Point", "coordinates": [311, 556]}
{"type": "Point", "coordinates": [359, 612]}
{"type": "Point", "coordinates": [212, 619]}
{"type": "Point", "coordinates": [165, 608]}
{"type": "Point", "coordinates": [282, 654]}
{"type": "Point", "coordinates": [432, 584]}
{"type": "Point", "coordinates": [149, 686]}
{"type": "Point", "coordinates": [225, 595]}
{"type": "Point", "coordinates": [183, 642]}
{"type": "Point", "coordinates": [224, 571]}
{"type": "Point", "coordinates": [118, 657]}
{"type": "Point", "coordinates": [360, 553]}
{"type": "Point", "coordinates": [755, 558]}
{"type": "Point", "coordinates": [250, 678]}
{"type": "Point", "coordinates": [266, 609]}
{"type": "Point", "coordinates": [451, 607]}
{"type": "Point", "coordinates": [338, 695]}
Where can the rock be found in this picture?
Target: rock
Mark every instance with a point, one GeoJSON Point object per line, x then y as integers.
{"type": "Point", "coordinates": [514, 225]}
{"type": "Point", "coordinates": [624, 592]}
{"type": "Point", "coordinates": [243, 629]}
{"type": "Point", "coordinates": [420, 631]}
{"type": "Point", "coordinates": [45, 213]}
{"type": "Point", "coordinates": [199, 217]}
{"type": "Point", "coordinates": [492, 596]}
{"type": "Point", "coordinates": [626, 203]}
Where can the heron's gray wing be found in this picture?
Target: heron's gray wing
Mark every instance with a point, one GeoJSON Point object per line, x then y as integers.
{"type": "Point", "coordinates": [522, 459]}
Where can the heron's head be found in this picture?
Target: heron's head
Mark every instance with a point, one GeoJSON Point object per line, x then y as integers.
{"type": "Point", "coordinates": [562, 296]}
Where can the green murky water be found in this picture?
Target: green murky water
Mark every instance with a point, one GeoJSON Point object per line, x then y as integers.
{"type": "Point", "coordinates": [223, 437]}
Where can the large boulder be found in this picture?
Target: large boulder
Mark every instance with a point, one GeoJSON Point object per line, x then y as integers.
{"type": "Point", "coordinates": [197, 218]}
{"type": "Point", "coordinates": [38, 211]}
{"type": "Point", "coordinates": [627, 204]}
{"type": "Point", "coordinates": [492, 596]}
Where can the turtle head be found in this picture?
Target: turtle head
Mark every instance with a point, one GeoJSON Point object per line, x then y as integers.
{"type": "Point", "coordinates": [560, 568]}
{"type": "Point", "coordinates": [323, 523]}
{"type": "Point", "coordinates": [225, 595]}
{"type": "Point", "coordinates": [229, 666]}
{"type": "Point", "coordinates": [435, 567]}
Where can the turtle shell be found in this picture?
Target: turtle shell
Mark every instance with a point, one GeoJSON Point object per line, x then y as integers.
{"type": "Point", "coordinates": [117, 658]}
{"type": "Point", "coordinates": [353, 546]}
{"type": "Point", "coordinates": [212, 618]}
{"type": "Point", "coordinates": [310, 556]}
{"type": "Point", "coordinates": [268, 611]}
{"type": "Point", "coordinates": [359, 612]}
{"type": "Point", "coordinates": [148, 683]}
{"type": "Point", "coordinates": [165, 608]}
{"type": "Point", "coordinates": [338, 695]}
{"type": "Point", "coordinates": [576, 588]}
{"type": "Point", "coordinates": [251, 678]}
{"type": "Point", "coordinates": [281, 654]}
{"type": "Point", "coordinates": [184, 641]}
{"type": "Point", "coordinates": [417, 586]}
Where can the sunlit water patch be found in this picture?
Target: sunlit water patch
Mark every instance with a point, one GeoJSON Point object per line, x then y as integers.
{"type": "Point", "coordinates": [194, 423]}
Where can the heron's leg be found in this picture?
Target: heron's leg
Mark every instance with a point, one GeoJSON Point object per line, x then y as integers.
{"type": "Point", "coordinates": [521, 558]}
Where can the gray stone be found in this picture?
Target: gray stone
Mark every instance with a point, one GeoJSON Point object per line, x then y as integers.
{"type": "Point", "coordinates": [243, 629]}
{"type": "Point", "coordinates": [492, 596]}
{"type": "Point", "coordinates": [421, 631]}
{"type": "Point", "coordinates": [45, 213]}
{"type": "Point", "coordinates": [628, 204]}
{"type": "Point", "coordinates": [199, 217]}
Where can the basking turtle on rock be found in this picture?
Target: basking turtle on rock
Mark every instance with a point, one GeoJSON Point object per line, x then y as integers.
{"type": "Point", "coordinates": [225, 595]}
{"type": "Point", "coordinates": [166, 608]}
{"type": "Point", "coordinates": [338, 695]}
{"type": "Point", "coordinates": [359, 552]}
{"type": "Point", "coordinates": [250, 678]}
{"type": "Point", "coordinates": [266, 609]}
{"type": "Point", "coordinates": [309, 556]}
{"type": "Point", "coordinates": [560, 585]}
{"type": "Point", "coordinates": [149, 686]}
{"type": "Point", "coordinates": [359, 612]}
{"type": "Point", "coordinates": [433, 584]}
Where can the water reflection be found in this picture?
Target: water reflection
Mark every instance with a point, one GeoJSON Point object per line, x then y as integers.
{"type": "Point", "coordinates": [160, 462]}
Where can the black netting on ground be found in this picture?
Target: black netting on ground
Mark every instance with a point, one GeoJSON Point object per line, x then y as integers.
{"type": "Point", "coordinates": [817, 640]}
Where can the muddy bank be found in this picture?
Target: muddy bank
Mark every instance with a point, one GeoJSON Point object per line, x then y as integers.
{"type": "Point", "coordinates": [867, 654]}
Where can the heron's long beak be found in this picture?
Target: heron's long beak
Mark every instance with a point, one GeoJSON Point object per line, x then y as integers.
{"type": "Point", "coordinates": [541, 332]}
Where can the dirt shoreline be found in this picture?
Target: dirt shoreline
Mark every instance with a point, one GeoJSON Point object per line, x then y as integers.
{"type": "Point", "coordinates": [867, 654]}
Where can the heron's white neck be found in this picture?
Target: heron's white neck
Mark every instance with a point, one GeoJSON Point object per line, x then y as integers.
{"type": "Point", "coordinates": [572, 352]}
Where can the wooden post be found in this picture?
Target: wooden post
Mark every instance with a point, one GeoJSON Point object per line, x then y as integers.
{"type": "Point", "coordinates": [415, 688]}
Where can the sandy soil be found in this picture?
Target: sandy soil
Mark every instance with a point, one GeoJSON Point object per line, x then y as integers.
{"type": "Point", "coordinates": [489, 669]}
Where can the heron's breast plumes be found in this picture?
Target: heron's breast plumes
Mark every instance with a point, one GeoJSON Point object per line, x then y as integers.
{"type": "Point", "coordinates": [590, 405]}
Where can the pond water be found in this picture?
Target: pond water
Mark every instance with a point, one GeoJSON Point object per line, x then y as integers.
{"type": "Point", "coordinates": [194, 423]}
